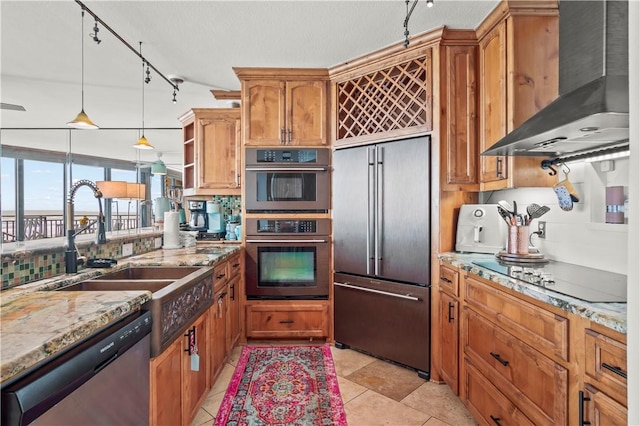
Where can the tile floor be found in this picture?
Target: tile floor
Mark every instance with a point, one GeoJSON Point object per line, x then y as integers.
{"type": "Point", "coordinates": [374, 392]}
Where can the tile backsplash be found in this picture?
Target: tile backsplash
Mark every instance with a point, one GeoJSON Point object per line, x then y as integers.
{"type": "Point", "coordinates": [579, 236]}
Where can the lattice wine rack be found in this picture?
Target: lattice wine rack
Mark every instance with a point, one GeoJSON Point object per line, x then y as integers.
{"type": "Point", "coordinates": [395, 98]}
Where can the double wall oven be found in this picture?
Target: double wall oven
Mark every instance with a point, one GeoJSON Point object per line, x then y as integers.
{"type": "Point", "coordinates": [287, 198]}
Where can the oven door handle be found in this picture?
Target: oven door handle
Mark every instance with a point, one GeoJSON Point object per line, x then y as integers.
{"type": "Point", "coordinates": [384, 293]}
{"type": "Point", "coordinates": [286, 241]}
{"type": "Point", "coordinates": [286, 169]}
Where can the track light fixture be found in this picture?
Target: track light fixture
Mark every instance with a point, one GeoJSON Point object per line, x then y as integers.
{"type": "Point", "coordinates": [143, 143]}
{"type": "Point", "coordinates": [82, 121]}
{"type": "Point", "coordinates": [176, 82]}
{"type": "Point", "coordinates": [406, 19]}
{"type": "Point", "coordinates": [95, 33]}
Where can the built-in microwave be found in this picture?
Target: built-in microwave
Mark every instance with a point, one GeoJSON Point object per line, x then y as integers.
{"type": "Point", "coordinates": [287, 180]}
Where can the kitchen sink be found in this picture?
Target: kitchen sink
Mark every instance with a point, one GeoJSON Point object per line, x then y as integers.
{"type": "Point", "coordinates": [179, 295]}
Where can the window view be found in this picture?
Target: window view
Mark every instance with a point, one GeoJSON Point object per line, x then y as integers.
{"type": "Point", "coordinates": [43, 199]}
{"type": "Point", "coordinates": [8, 198]}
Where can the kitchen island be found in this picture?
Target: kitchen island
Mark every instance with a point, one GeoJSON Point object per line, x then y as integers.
{"type": "Point", "coordinates": [38, 323]}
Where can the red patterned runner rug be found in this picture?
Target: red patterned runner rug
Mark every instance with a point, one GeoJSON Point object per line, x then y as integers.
{"type": "Point", "coordinates": [283, 385]}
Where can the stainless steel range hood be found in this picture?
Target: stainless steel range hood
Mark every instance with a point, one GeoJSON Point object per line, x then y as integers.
{"type": "Point", "coordinates": [591, 115]}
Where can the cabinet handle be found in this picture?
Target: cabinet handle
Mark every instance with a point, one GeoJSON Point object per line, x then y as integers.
{"type": "Point", "coordinates": [191, 340]}
{"type": "Point", "coordinates": [221, 276]}
{"type": "Point", "coordinates": [233, 292]}
{"type": "Point", "coordinates": [286, 322]}
{"type": "Point", "coordinates": [451, 306]}
{"type": "Point", "coordinates": [498, 167]}
{"type": "Point", "coordinates": [619, 371]}
{"type": "Point", "coordinates": [500, 360]}
{"type": "Point", "coordinates": [446, 280]}
{"type": "Point", "coordinates": [288, 136]}
{"type": "Point", "coordinates": [235, 265]}
{"type": "Point", "coordinates": [496, 420]}
{"type": "Point", "coordinates": [282, 141]}
{"type": "Point", "coordinates": [581, 400]}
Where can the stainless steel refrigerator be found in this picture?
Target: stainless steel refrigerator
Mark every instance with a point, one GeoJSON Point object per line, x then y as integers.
{"type": "Point", "coordinates": [381, 216]}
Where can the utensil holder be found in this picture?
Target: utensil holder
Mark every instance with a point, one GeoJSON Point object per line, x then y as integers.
{"type": "Point", "coordinates": [518, 240]}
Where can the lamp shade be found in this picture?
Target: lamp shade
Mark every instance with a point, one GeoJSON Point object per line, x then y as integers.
{"type": "Point", "coordinates": [143, 143]}
{"type": "Point", "coordinates": [112, 188]}
{"type": "Point", "coordinates": [82, 121]}
{"type": "Point", "coordinates": [158, 167]}
{"type": "Point", "coordinates": [136, 191]}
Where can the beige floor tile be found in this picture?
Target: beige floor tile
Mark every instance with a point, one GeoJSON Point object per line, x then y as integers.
{"type": "Point", "coordinates": [440, 402]}
{"type": "Point", "coordinates": [347, 361]}
{"type": "Point", "coordinates": [372, 409]}
{"type": "Point", "coordinates": [435, 422]}
{"type": "Point", "coordinates": [223, 380]}
{"type": "Point", "coordinates": [202, 418]}
{"type": "Point", "coordinates": [349, 390]}
{"type": "Point", "coordinates": [234, 357]}
{"type": "Point", "coordinates": [387, 379]}
{"type": "Point", "coordinates": [212, 404]}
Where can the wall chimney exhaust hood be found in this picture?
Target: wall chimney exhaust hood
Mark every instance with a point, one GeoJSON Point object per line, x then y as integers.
{"type": "Point", "coordinates": [591, 114]}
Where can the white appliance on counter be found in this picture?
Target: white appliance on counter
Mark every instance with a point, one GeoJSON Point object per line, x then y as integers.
{"type": "Point", "coordinates": [481, 229]}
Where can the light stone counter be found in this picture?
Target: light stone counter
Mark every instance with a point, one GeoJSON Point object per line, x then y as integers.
{"type": "Point", "coordinates": [37, 323]}
{"type": "Point", "coordinates": [612, 315]}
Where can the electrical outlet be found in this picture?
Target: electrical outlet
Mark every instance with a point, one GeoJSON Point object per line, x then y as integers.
{"type": "Point", "coordinates": [127, 249]}
{"type": "Point", "coordinates": [158, 242]}
{"type": "Point", "coordinates": [542, 229]}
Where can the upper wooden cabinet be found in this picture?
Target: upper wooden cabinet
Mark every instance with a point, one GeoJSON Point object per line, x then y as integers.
{"type": "Point", "coordinates": [212, 152]}
{"type": "Point", "coordinates": [518, 76]}
{"type": "Point", "coordinates": [284, 106]}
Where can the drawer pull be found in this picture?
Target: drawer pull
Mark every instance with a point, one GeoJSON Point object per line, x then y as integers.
{"type": "Point", "coordinates": [619, 371]}
{"type": "Point", "coordinates": [450, 313]}
{"type": "Point", "coordinates": [446, 280]}
{"type": "Point", "coordinates": [286, 322]}
{"type": "Point", "coordinates": [496, 420]}
{"type": "Point", "coordinates": [221, 276]}
{"type": "Point", "coordinates": [581, 401]}
{"type": "Point", "coordinates": [384, 293]}
{"type": "Point", "coordinates": [235, 265]}
{"type": "Point", "coordinates": [500, 360]}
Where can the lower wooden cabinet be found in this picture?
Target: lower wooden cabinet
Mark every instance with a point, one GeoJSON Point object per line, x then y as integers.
{"type": "Point", "coordinates": [449, 340]}
{"type": "Point", "coordinates": [218, 318]}
{"type": "Point", "coordinates": [177, 390]}
{"type": "Point", "coordinates": [299, 319]}
{"type": "Point", "coordinates": [233, 333]}
{"type": "Point", "coordinates": [599, 409]}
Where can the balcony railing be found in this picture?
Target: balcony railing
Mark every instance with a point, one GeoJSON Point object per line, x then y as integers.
{"type": "Point", "coordinates": [43, 226]}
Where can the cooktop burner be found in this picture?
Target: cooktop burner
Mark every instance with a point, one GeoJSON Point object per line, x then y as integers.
{"type": "Point", "coordinates": [588, 284]}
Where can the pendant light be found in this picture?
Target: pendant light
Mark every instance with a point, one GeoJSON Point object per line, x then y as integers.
{"type": "Point", "coordinates": [142, 143]}
{"type": "Point", "coordinates": [82, 121]}
{"type": "Point", "coordinates": [158, 167]}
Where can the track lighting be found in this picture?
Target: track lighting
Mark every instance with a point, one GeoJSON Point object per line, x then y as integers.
{"type": "Point", "coordinates": [95, 33]}
{"type": "Point", "coordinates": [82, 121]}
{"type": "Point", "coordinates": [148, 77]}
{"type": "Point", "coordinates": [175, 81]}
{"type": "Point", "coordinates": [143, 143]}
{"type": "Point", "coordinates": [406, 19]}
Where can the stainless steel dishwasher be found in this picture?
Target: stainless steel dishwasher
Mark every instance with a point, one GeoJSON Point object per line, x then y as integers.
{"type": "Point", "coordinates": [102, 381]}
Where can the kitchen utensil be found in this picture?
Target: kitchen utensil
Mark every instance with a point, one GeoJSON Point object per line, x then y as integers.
{"type": "Point", "coordinates": [508, 207]}
{"type": "Point", "coordinates": [504, 214]}
{"type": "Point", "coordinates": [535, 211]}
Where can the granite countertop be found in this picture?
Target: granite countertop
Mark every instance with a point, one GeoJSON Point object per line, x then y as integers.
{"type": "Point", "coordinates": [38, 323]}
{"type": "Point", "coordinates": [612, 315]}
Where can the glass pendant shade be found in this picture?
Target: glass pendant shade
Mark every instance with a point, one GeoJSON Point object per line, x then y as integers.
{"type": "Point", "coordinates": [83, 122]}
{"type": "Point", "coordinates": [143, 143]}
{"type": "Point", "coordinates": [158, 168]}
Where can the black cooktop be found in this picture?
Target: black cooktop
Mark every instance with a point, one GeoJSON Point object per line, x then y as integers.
{"type": "Point", "coordinates": [580, 282]}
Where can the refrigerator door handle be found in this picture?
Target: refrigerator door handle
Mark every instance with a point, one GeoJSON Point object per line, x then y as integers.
{"type": "Point", "coordinates": [379, 210]}
{"type": "Point", "coordinates": [370, 205]}
{"type": "Point", "coordinates": [384, 293]}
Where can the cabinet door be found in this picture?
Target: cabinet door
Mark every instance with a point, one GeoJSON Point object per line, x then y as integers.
{"type": "Point", "coordinates": [263, 112]}
{"type": "Point", "coordinates": [493, 105]}
{"type": "Point", "coordinates": [234, 312]}
{"type": "Point", "coordinates": [449, 339]}
{"type": "Point", "coordinates": [219, 152]}
{"type": "Point", "coordinates": [459, 153]}
{"type": "Point", "coordinates": [195, 384]}
{"type": "Point", "coordinates": [218, 333]}
{"type": "Point", "coordinates": [599, 409]}
{"type": "Point", "coordinates": [166, 386]}
{"type": "Point", "coordinates": [306, 112]}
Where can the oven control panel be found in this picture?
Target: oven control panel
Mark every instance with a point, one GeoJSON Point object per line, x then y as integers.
{"type": "Point", "coordinates": [287, 226]}
{"type": "Point", "coordinates": [287, 156]}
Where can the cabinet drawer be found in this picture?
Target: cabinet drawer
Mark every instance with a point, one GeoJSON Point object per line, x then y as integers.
{"type": "Point", "coordinates": [448, 279]}
{"type": "Point", "coordinates": [220, 275]}
{"type": "Point", "coordinates": [486, 402]}
{"type": "Point", "coordinates": [535, 383]}
{"type": "Point", "coordinates": [539, 328]}
{"type": "Point", "coordinates": [606, 364]}
{"type": "Point", "coordinates": [235, 265]}
{"type": "Point", "coordinates": [598, 409]}
{"type": "Point", "coordinates": [275, 321]}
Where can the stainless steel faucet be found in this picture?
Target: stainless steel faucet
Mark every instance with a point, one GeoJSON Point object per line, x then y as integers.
{"type": "Point", "coordinates": [71, 254]}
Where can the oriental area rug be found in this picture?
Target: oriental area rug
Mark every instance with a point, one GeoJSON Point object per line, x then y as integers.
{"type": "Point", "coordinates": [283, 385]}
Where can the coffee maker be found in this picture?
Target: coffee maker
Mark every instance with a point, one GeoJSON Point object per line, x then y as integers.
{"type": "Point", "coordinates": [198, 219]}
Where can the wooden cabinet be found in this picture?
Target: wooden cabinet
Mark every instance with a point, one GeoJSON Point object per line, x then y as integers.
{"type": "Point", "coordinates": [279, 319]}
{"type": "Point", "coordinates": [520, 348]}
{"type": "Point", "coordinates": [284, 106]}
{"type": "Point", "coordinates": [177, 390]}
{"type": "Point", "coordinates": [604, 398]}
{"type": "Point", "coordinates": [218, 316]}
{"type": "Point", "coordinates": [518, 76]}
{"type": "Point", "coordinates": [449, 326]}
{"type": "Point", "coordinates": [212, 155]}
{"type": "Point", "coordinates": [234, 310]}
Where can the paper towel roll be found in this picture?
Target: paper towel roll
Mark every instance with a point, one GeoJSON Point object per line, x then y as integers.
{"type": "Point", "coordinates": [171, 230]}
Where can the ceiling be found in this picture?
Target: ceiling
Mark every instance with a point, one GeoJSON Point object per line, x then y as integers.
{"type": "Point", "coordinates": [199, 41]}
